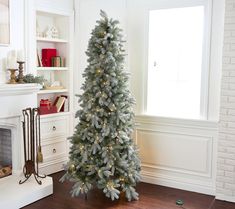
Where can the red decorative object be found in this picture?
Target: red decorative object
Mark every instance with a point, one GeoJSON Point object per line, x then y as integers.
{"type": "Point", "coordinates": [46, 107]}
{"type": "Point", "coordinates": [45, 103]}
{"type": "Point", "coordinates": [47, 55]}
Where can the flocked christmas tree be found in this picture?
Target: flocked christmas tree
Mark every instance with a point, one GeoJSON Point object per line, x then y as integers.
{"type": "Point", "coordinates": [103, 154]}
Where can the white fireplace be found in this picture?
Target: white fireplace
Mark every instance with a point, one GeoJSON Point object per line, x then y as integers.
{"type": "Point", "coordinates": [11, 126]}
{"type": "Point", "coordinates": [5, 152]}
{"type": "Point", "coordinates": [13, 99]}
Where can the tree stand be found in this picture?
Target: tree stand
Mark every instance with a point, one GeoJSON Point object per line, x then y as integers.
{"type": "Point", "coordinates": [32, 144]}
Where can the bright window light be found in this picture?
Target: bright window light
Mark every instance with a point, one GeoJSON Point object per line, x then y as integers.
{"type": "Point", "coordinates": [175, 62]}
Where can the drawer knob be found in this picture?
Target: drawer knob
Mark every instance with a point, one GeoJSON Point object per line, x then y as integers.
{"type": "Point", "coordinates": [54, 151]}
{"type": "Point", "coordinates": [53, 128]}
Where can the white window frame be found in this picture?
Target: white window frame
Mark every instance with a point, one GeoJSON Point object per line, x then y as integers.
{"type": "Point", "coordinates": [206, 49]}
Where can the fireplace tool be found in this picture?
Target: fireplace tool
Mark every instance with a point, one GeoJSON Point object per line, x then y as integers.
{"type": "Point", "coordinates": [32, 144]}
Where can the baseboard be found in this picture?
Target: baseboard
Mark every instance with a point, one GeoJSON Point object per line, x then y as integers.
{"type": "Point", "coordinates": [174, 182]}
{"type": "Point", "coordinates": [225, 198]}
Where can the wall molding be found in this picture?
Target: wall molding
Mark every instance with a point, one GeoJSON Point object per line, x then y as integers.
{"type": "Point", "coordinates": [205, 173]}
{"type": "Point", "coordinates": [165, 166]}
{"type": "Point", "coordinates": [178, 183]}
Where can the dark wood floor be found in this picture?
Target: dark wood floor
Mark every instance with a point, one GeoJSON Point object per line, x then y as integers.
{"type": "Point", "coordinates": [151, 197]}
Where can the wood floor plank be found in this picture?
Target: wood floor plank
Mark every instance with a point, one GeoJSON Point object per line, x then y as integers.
{"type": "Point", "coordinates": [151, 197]}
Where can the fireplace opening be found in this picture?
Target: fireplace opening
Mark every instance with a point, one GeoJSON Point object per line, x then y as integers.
{"type": "Point", "coordinates": [5, 152]}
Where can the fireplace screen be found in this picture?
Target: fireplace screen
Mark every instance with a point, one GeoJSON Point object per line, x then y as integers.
{"type": "Point", "coordinates": [5, 152]}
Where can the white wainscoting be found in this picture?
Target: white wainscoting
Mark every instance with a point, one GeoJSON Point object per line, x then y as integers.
{"type": "Point", "coordinates": [178, 153]}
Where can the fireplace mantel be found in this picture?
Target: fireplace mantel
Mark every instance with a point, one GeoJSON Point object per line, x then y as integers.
{"type": "Point", "coordinates": [19, 89]}
{"type": "Point", "coordinates": [13, 99]}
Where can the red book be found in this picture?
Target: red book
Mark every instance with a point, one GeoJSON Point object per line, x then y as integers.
{"type": "Point", "coordinates": [62, 102]}
{"type": "Point", "coordinates": [47, 55]}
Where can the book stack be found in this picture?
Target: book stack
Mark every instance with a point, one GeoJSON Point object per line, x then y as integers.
{"type": "Point", "coordinates": [57, 61]}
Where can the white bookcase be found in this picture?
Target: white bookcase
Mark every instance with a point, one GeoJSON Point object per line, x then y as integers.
{"type": "Point", "coordinates": [56, 127]}
{"type": "Point", "coordinates": [62, 44]}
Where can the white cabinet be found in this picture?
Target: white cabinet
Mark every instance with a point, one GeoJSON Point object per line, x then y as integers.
{"type": "Point", "coordinates": [56, 126]}
{"type": "Point", "coordinates": [55, 130]}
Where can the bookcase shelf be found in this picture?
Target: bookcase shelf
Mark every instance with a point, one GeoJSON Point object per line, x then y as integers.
{"type": "Point", "coordinates": [53, 40]}
{"type": "Point", "coordinates": [55, 114]}
{"type": "Point", "coordinates": [52, 91]}
{"type": "Point", "coordinates": [52, 68]}
{"type": "Point", "coordinates": [61, 76]}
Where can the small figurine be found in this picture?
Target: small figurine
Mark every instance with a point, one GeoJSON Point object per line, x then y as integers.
{"type": "Point", "coordinates": [52, 32]}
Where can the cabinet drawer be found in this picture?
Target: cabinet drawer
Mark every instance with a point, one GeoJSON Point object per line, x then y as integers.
{"type": "Point", "coordinates": [54, 151]}
{"type": "Point", "coordinates": [49, 168]}
{"type": "Point", "coordinates": [54, 127]}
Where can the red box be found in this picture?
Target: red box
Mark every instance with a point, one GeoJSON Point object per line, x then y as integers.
{"type": "Point", "coordinates": [45, 103]}
{"type": "Point", "coordinates": [46, 110]}
{"type": "Point", "coordinates": [47, 54]}
{"type": "Point", "coordinates": [46, 107]}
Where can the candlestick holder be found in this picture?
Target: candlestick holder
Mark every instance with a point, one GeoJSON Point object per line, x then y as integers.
{"type": "Point", "coordinates": [12, 79]}
{"type": "Point", "coordinates": [21, 75]}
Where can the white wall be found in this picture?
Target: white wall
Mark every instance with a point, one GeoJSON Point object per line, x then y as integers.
{"type": "Point", "coordinates": [87, 12]}
{"type": "Point", "coordinates": [175, 152]}
{"type": "Point", "coordinates": [55, 6]}
{"type": "Point", "coordinates": [16, 35]}
{"type": "Point", "coordinates": [226, 145]}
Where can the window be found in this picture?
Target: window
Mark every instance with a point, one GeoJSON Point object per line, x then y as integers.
{"type": "Point", "coordinates": [176, 62]}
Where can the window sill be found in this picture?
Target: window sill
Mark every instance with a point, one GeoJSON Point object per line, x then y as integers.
{"type": "Point", "coordinates": [157, 120]}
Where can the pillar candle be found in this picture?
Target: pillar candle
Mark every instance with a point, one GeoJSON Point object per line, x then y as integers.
{"type": "Point", "coordinates": [20, 56]}
{"type": "Point", "coordinates": [11, 61]}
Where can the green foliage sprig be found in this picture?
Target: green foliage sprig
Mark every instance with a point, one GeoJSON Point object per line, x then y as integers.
{"type": "Point", "coordinates": [30, 78]}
